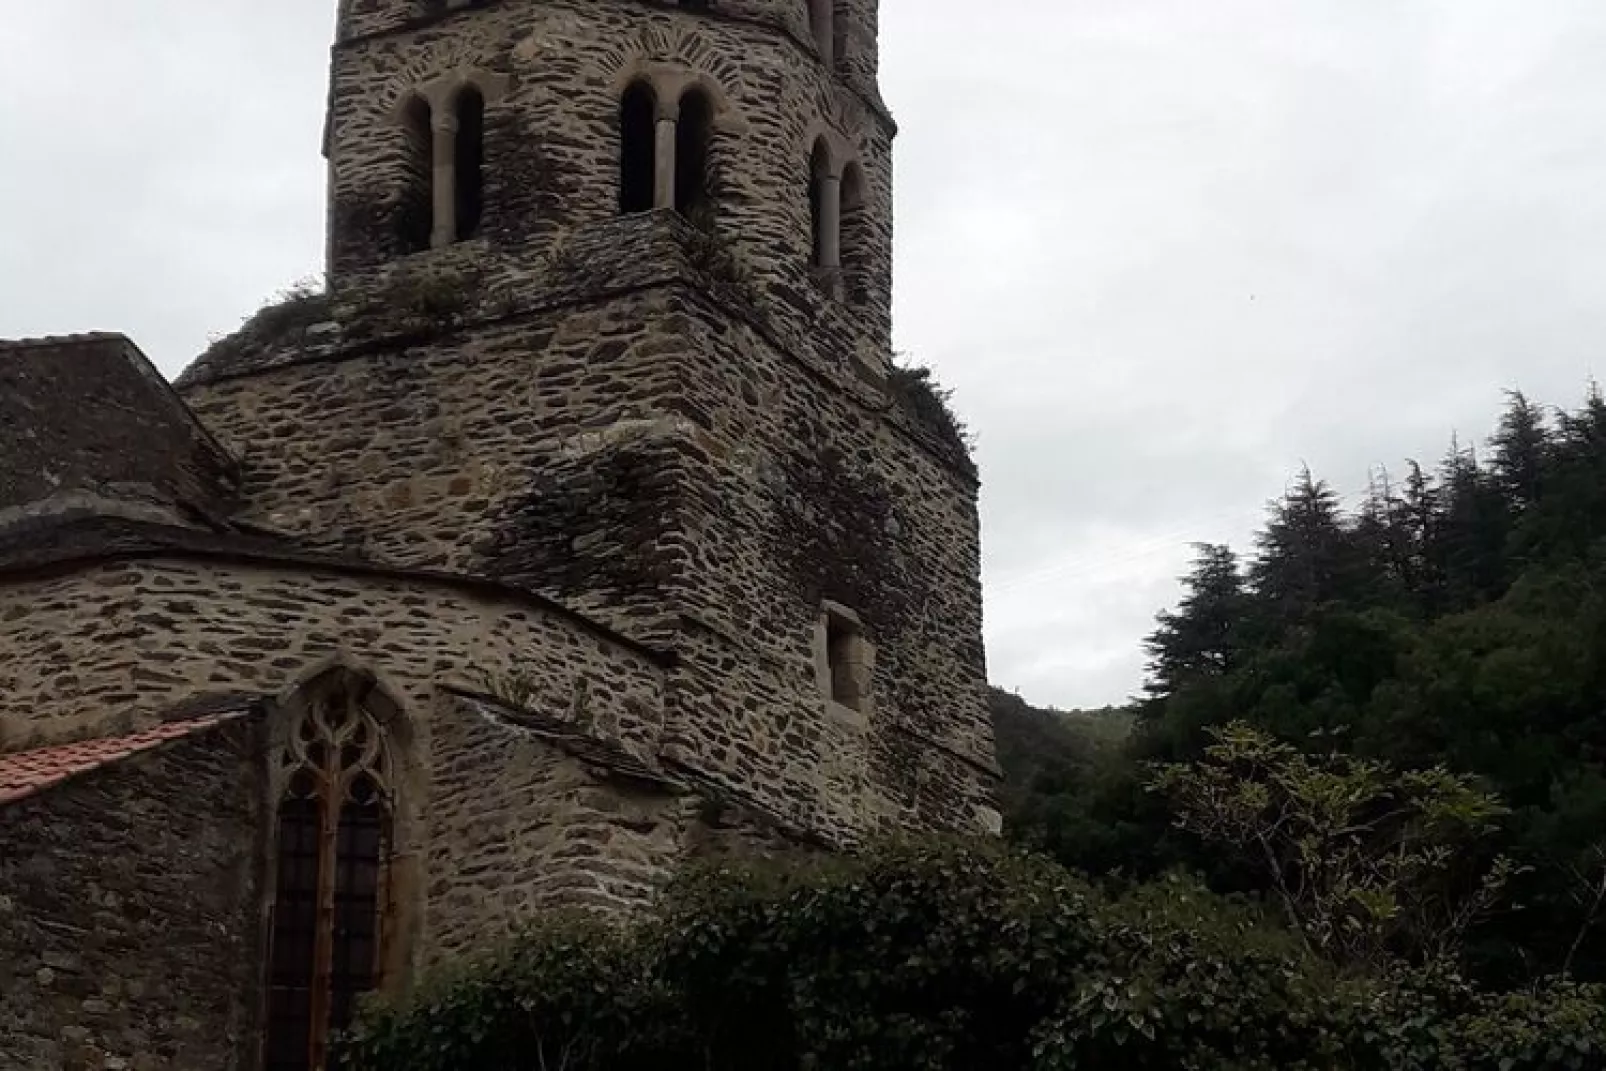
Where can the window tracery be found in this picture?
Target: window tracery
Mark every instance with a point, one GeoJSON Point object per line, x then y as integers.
{"type": "Point", "coordinates": [333, 838]}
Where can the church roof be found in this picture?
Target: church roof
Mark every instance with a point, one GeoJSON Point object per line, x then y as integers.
{"type": "Point", "coordinates": [89, 418]}
{"type": "Point", "coordinates": [27, 773]}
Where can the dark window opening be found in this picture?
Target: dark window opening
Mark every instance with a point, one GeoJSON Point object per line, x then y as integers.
{"type": "Point", "coordinates": [692, 136]}
{"type": "Point", "coordinates": [354, 952]}
{"type": "Point", "coordinates": [819, 173]}
{"type": "Point", "coordinates": [470, 162]}
{"type": "Point", "coordinates": [638, 156]}
{"type": "Point", "coordinates": [415, 214]}
{"type": "Point", "coordinates": [857, 240]}
{"type": "Point", "coordinates": [295, 930]}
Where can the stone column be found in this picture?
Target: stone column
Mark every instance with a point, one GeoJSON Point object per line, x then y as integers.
{"type": "Point", "coordinates": [663, 187]}
{"type": "Point", "coordinates": [444, 232]}
{"type": "Point", "coordinates": [831, 222]}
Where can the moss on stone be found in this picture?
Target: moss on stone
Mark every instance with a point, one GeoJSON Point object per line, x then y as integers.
{"type": "Point", "coordinates": [929, 405]}
{"type": "Point", "coordinates": [283, 321]}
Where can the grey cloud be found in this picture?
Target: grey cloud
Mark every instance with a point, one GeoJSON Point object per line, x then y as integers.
{"type": "Point", "coordinates": [1164, 250]}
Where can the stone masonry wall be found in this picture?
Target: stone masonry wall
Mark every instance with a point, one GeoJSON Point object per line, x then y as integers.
{"type": "Point", "coordinates": [498, 824]}
{"type": "Point", "coordinates": [654, 457]}
{"type": "Point", "coordinates": [805, 496]}
{"type": "Point", "coordinates": [517, 828]}
{"type": "Point", "coordinates": [129, 913]}
{"type": "Point", "coordinates": [552, 141]}
{"type": "Point", "coordinates": [856, 25]}
{"type": "Point", "coordinates": [118, 644]}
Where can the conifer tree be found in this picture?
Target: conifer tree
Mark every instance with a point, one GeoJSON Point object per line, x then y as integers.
{"type": "Point", "coordinates": [1201, 639]}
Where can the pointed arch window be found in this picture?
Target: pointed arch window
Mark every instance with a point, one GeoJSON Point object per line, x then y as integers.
{"type": "Point", "coordinates": [333, 837]}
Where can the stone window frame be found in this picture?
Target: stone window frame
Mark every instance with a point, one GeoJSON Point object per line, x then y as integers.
{"type": "Point", "coordinates": [391, 765]}
{"type": "Point", "coordinates": [670, 84]}
{"type": "Point", "coordinates": [834, 169]}
{"type": "Point", "coordinates": [844, 660]}
{"type": "Point", "coordinates": [442, 96]}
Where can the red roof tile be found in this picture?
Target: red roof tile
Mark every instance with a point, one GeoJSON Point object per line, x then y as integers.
{"type": "Point", "coordinates": [25, 773]}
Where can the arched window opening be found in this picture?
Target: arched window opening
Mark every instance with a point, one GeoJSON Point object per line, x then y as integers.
{"type": "Point", "coordinates": [333, 840]}
{"type": "Point", "coordinates": [822, 18]}
{"type": "Point", "coordinates": [857, 241]}
{"type": "Point", "coordinates": [470, 163]}
{"type": "Point", "coordinates": [638, 156]}
{"type": "Point", "coordinates": [415, 214]}
{"type": "Point", "coordinates": [823, 215]}
{"type": "Point", "coordinates": [692, 135]}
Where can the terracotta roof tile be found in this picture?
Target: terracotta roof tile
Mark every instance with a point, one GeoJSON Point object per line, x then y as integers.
{"type": "Point", "coordinates": [26, 773]}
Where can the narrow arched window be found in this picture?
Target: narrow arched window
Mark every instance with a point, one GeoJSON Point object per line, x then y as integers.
{"type": "Point", "coordinates": [415, 212]}
{"type": "Point", "coordinates": [333, 837]}
{"type": "Point", "coordinates": [857, 239]}
{"type": "Point", "coordinates": [469, 165]}
{"type": "Point", "coordinates": [638, 154]}
{"type": "Point", "coordinates": [823, 214]}
{"type": "Point", "coordinates": [692, 136]}
{"type": "Point", "coordinates": [822, 17]}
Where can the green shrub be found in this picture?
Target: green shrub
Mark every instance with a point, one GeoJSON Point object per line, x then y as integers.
{"type": "Point", "coordinates": [922, 957]}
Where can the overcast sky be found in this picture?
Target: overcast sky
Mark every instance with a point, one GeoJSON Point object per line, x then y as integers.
{"type": "Point", "coordinates": [1165, 250]}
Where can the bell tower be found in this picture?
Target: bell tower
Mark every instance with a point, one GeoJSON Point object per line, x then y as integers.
{"type": "Point", "coordinates": [507, 125]}
{"type": "Point", "coordinates": [609, 321]}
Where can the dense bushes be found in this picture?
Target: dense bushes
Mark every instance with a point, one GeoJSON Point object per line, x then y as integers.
{"type": "Point", "coordinates": [952, 956]}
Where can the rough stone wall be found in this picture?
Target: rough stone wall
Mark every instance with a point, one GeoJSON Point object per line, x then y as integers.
{"type": "Point", "coordinates": [678, 433]}
{"type": "Point", "coordinates": [655, 459]}
{"type": "Point", "coordinates": [857, 20]}
{"type": "Point", "coordinates": [118, 644]}
{"type": "Point", "coordinates": [129, 913]}
{"type": "Point", "coordinates": [804, 495]}
{"type": "Point", "coordinates": [518, 827]}
{"type": "Point", "coordinates": [552, 145]}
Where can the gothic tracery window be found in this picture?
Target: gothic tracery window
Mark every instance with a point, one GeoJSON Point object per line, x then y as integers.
{"type": "Point", "coordinates": [333, 839]}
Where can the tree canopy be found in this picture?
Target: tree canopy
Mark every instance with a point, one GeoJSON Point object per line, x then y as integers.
{"type": "Point", "coordinates": [1454, 619]}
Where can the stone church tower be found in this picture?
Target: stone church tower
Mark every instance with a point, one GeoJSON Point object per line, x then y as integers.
{"type": "Point", "coordinates": [580, 528]}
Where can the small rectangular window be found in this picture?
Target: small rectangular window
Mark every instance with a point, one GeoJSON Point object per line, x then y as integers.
{"type": "Point", "coordinates": [849, 660]}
